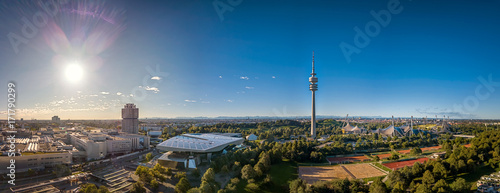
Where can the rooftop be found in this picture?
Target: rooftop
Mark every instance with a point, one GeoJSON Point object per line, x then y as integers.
{"type": "Point", "coordinates": [198, 142]}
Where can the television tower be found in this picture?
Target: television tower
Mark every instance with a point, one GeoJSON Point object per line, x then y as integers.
{"type": "Point", "coordinates": [313, 87]}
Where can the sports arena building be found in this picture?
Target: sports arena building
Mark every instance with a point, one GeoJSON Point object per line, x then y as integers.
{"type": "Point", "coordinates": [188, 150]}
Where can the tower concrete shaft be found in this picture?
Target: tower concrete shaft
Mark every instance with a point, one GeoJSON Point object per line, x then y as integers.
{"type": "Point", "coordinates": [313, 87]}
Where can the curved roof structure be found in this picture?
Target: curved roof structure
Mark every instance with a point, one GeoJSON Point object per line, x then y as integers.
{"type": "Point", "coordinates": [198, 143]}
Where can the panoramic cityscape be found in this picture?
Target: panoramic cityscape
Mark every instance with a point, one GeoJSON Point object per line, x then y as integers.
{"type": "Point", "coordinates": [225, 96]}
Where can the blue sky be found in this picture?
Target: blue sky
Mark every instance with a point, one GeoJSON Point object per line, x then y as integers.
{"type": "Point", "coordinates": [255, 61]}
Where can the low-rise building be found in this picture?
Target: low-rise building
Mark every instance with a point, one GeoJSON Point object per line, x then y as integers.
{"type": "Point", "coordinates": [489, 183]}
{"type": "Point", "coordinates": [252, 137]}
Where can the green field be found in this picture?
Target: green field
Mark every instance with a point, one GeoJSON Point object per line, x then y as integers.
{"type": "Point", "coordinates": [382, 167]}
{"type": "Point", "coordinates": [280, 173]}
{"type": "Point", "coordinates": [473, 177]}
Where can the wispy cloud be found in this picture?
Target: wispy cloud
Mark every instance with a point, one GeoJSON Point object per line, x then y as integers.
{"type": "Point", "coordinates": [155, 78]}
{"type": "Point", "coordinates": [249, 87]}
{"type": "Point", "coordinates": [190, 101]}
{"type": "Point", "coordinates": [119, 93]}
{"type": "Point", "coordinates": [244, 78]}
{"type": "Point", "coordinates": [154, 89]}
{"type": "Point", "coordinates": [220, 76]}
{"type": "Point", "coordinates": [80, 102]}
{"type": "Point", "coordinates": [273, 77]}
{"type": "Point", "coordinates": [229, 101]}
{"type": "Point", "coordinates": [206, 102]}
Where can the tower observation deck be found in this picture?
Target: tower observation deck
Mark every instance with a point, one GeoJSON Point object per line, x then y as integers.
{"type": "Point", "coordinates": [313, 87]}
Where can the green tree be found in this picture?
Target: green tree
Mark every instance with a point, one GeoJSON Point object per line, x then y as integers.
{"type": "Point", "coordinates": [423, 188]}
{"type": "Point", "coordinates": [398, 188]}
{"type": "Point", "coordinates": [259, 169]}
{"type": "Point", "coordinates": [416, 151]}
{"type": "Point", "coordinates": [159, 168]}
{"type": "Point", "coordinates": [428, 178]}
{"type": "Point", "coordinates": [247, 172]}
{"type": "Point", "coordinates": [441, 186]}
{"type": "Point", "coordinates": [194, 190]}
{"type": "Point", "coordinates": [298, 186]}
{"type": "Point", "coordinates": [196, 173]}
{"type": "Point", "coordinates": [141, 170]}
{"type": "Point", "coordinates": [182, 186]}
{"type": "Point", "coordinates": [180, 175]}
{"type": "Point", "coordinates": [417, 169]}
{"type": "Point", "coordinates": [103, 189]}
{"type": "Point", "coordinates": [252, 187]}
{"type": "Point", "coordinates": [88, 188]}
{"type": "Point", "coordinates": [154, 184]}
{"type": "Point", "coordinates": [169, 172]}
{"type": "Point", "coordinates": [149, 156]}
{"type": "Point", "coordinates": [61, 170]}
{"type": "Point", "coordinates": [224, 169]}
{"type": "Point", "coordinates": [209, 176]}
{"type": "Point", "coordinates": [378, 187]}
{"type": "Point", "coordinates": [459, 185]}
{"type": "Point", "coordinates": [439, 170]}
{"type": "Point", "coordinates": [394, 156]}
{"type": "Point", "coordinates": [138, 187]}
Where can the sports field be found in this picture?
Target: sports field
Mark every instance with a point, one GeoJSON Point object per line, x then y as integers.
{"type": "Point", "coordinates": [336, 160]}
{"type": "Point", "coordinates": [424, 149]}
{"type": "Point", "coordinates": [382, 156]}
{"type": "Point", "coordinates": [363, 170]}
{"type": "Point", "coordinates": [402, 164]}
{"type": "Point", "coordinates": [312, 174]}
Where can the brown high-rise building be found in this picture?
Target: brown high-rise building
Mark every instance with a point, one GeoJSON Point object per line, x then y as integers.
{"type": "Point", "coordinates": [130, 122]}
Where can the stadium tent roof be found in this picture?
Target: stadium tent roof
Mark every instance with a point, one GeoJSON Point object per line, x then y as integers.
{"type": "Point", "coordinates": [348, 127]}
{"type": "Point", "coordinates": [198, 142]}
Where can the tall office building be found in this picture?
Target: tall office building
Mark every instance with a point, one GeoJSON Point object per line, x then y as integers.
{"type": "Point", "coordinates": [313, 87]}
{"type": "Point", "coordinates": [56, 119]}
{"type": "Point", "coordinates": [130, 122]}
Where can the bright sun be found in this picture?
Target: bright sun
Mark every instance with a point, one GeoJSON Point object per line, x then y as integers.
{"type": "Point", "coordinates": [74, 73]}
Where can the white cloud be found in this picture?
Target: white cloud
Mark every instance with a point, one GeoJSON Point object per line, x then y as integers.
{"type": "Point", "coordinates": [206, 102]}
{"type": "Point", "coordinates": [104, 92]}
{"type": "Point", "coordinates": [229, 101]}
{"type": "Point", "coordinates": [249, 87]}
{"type": "Point", "coordinates": [244, 78]}
{"type": "Point", "coordinates": [273, 77]}
{"type": "Point", "coordinates": [169, 104]}
{"type": "Point", "coordinates": [119, 93]}
{"type": "Point", "coordinates": [190, 101]}
{"type": "Point", "coordinates": [154, 89]}
{"type": "Point", "coordinates": [220, 76]}
{"type": "Point", "coordinates": [155, 78]}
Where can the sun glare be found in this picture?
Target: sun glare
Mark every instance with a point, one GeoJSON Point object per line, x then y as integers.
{"type": "Point", "coordinates": [74, 73]}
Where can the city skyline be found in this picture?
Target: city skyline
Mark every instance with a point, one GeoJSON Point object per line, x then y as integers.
{"type": "Point", "coordinates": [429, 59]}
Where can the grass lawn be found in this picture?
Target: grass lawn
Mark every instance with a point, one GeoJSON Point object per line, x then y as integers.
{"type": "Point", "coordinates": [283, 172]}
{"type": "Point", "coordinates": [382, 167]}
{"type": "Point", "coordinates": [472, 178]}
{"type": "Point", "coordinates": [366, 180]}
{"type": "Point", "coordinates": [280, 173]}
